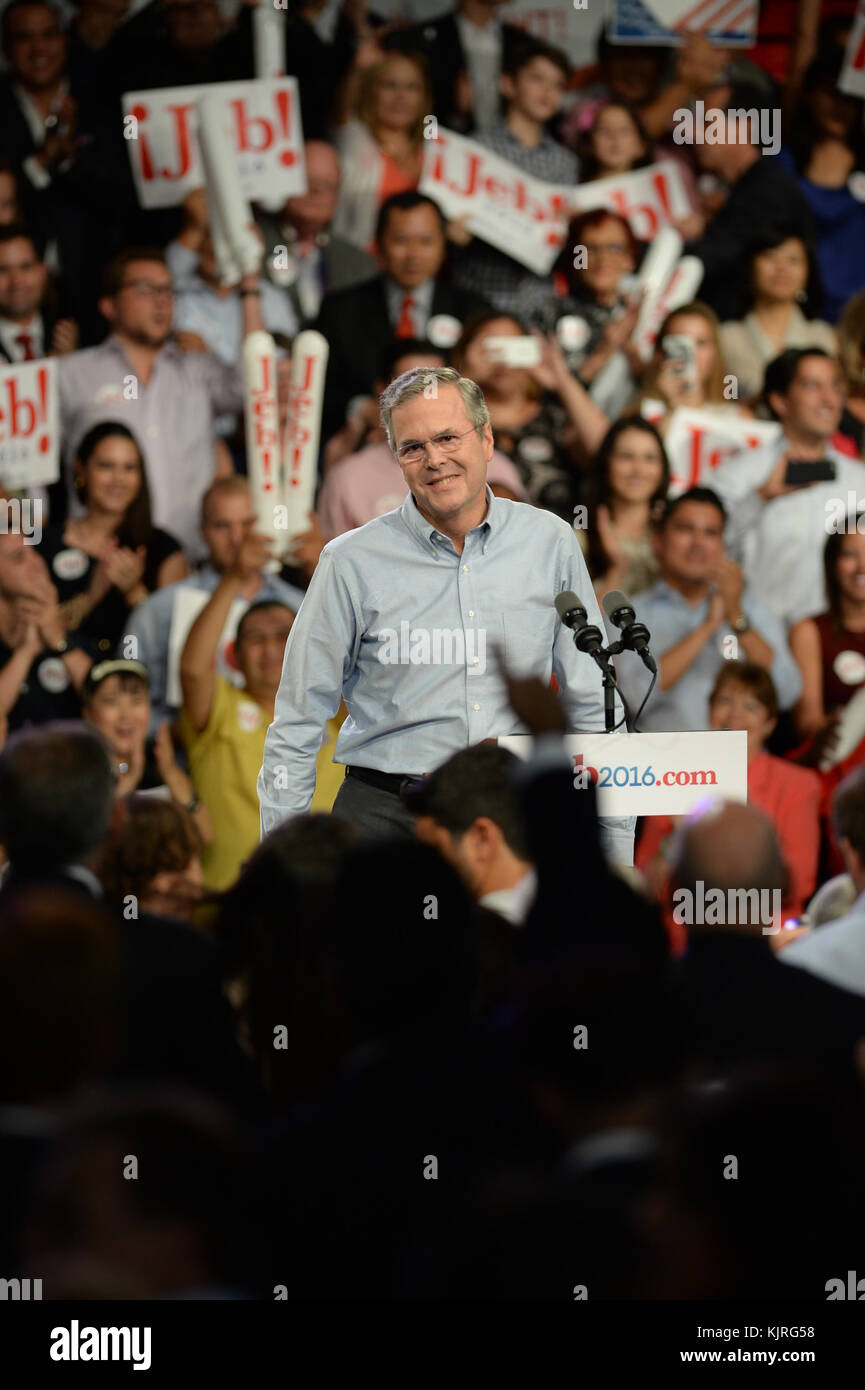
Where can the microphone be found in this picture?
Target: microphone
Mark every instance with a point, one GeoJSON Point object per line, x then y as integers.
{"type": "Point", "coordinates": [635, 635]}
{"type": "Point", "coordinates": [572, 611]}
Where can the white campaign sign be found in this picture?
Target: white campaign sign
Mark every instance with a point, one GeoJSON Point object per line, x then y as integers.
{"type": "Point", "coordinates": [264, 120]}
{"type": "Point", "coordinates": [698, 440]}
{"type": "Point", "coordinates": [852, 79]}
{"type": "Point", "coordinates": [525, 217]}
{"type": "Point", "coordinates": [654, 774]}
{"type": "Point", "coordinates": [188, 603]}
{"type": "Point", "coordinates": [649, 198]}
{"type": "Point", "coordinates": [560, 22]}
{"type": "Point", "coordinates": [29, 424]}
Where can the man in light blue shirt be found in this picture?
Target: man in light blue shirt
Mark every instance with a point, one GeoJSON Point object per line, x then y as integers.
{"type": "Point", "coordinates": [836, 952]}
{"type": "Point", "coordinates": [227, 516]}
{"type": "Point", "coordinates": [402, 616]}
{"type": "Point", "coordinates": [698, 614]}
{"type": "Point", "coordinates": [777, 530]}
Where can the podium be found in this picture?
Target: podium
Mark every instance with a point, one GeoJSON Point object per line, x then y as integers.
{"type": "Point", "coordinates": [654, 774]}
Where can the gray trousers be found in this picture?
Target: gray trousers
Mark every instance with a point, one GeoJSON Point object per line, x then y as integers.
{"type": "Point", "coordinates": [375, 814]}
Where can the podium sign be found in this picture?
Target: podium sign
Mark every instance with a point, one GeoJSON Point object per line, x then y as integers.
{"type": "Point", "coordinates": [654, 774]}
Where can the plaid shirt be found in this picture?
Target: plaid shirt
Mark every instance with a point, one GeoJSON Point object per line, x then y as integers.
{"type": "Point", "coordinates": [485, 271]}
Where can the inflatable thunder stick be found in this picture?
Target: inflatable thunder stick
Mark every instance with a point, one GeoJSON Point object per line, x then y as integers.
{"type": "Point", "coordinates": [236, 247]}
{"type": "Point", "coordinates": [667, 280]}
{"type": "Point", "coordinates": [300, 459]}
{"type": "Point", "coordinates": [262, 433]}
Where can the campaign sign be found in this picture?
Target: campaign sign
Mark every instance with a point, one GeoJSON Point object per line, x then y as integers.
{"type": "Point", "coordinates": [29, 424]}
{"type": "Point", "coordinates": [575, 28]}
{"type": "Point", "coordinates": [188, 603]}
{"type": "Point", "coordinates": [654, 774]}
{"type": "Point", "coordinates": [730, 23]}
{"type": "Point", "coordinates": [525, 217]}
{"type": "Point", "coordinates": [698, 440]}
{"type": "Point", "coordinates": [649, 198]}
{"type": "Point", "coordinates": [263, 118]}
{"type": "Point", "coordinates": [852, 79]}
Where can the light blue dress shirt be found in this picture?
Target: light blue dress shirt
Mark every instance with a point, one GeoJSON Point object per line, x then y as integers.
{"type": "Point", "coordinates": [669, 617]}
{"type": "Point", "coordinates": [150, 625]}
{"type": "Point", "coordinates": [399, 575]}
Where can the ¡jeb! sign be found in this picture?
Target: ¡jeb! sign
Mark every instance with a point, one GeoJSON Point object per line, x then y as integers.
{"type": "Point", "coordinates": [698, 440]}
{"type": "Point", "coordinates": [527, 218]}
{"type": "Point", "coordinates": [29, 428]}
{"type": "Point", "coordinates": [262, 116]}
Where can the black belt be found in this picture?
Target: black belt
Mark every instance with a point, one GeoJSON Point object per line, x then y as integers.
{"type": "Point", "coordinates": [392, 782]}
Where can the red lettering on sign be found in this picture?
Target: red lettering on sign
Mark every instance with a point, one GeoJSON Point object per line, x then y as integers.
{"type": "Point", "coordinates": [245, 127]}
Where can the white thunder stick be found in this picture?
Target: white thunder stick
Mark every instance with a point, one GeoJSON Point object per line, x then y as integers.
{"type": "Point", "coordinates": [300, 459]}
{"type": "Point", "coordinates": [262, 433]}
{"type": "Point", "coordinates": [268, 41]}
{"type": "Point", "coordinates": [667, 281]}
{"type": "Point", "coordinates": [231, 218]}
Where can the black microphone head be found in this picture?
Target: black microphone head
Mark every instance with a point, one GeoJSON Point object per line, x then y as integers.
{"type": "Point", "coordinates": [567, 602]}
{"type": "Point", "coordinates": [613, 603]}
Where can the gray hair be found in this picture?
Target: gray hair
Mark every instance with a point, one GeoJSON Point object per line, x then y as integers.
{"type": "Point", "coordinates": [425, 381]}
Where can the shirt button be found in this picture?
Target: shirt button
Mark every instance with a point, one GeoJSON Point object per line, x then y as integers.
{"type": "Point", "coordinates": [465, 569]}
{"type": "Point", "coordinates": [485, 550]}
{"type": "Point", "coordinates": [471, 612]}
{"type": "Point", "coordinates": [476, 706]}
{"type": "Point", "coordinates": [474, 661]}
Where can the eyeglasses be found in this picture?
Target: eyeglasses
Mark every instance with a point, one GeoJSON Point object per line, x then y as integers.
{"type": "Point", "coordinates": [608, 248]}
{"type": "Point", "coordinates": [416, 449]}
{"type": "Point", "coordinates": [146, 287]}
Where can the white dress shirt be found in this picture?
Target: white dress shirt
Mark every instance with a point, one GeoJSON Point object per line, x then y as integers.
{"type": "Point", "coordinates": [10, 333]}
{"type": "Point", "coordinates": [780, 543]}
{"type": "Point", "coordinates": [482, 46]}
{"type": "Point", "coordinates": [514, 904]}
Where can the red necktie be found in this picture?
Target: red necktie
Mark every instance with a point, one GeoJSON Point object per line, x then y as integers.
{"type": "Point", "coordinates": [25, 340]}
{"type": "Point", "coordinates": [405, 327]}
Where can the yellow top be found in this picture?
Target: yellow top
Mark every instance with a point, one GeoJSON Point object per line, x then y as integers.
{"type": "Point", "coordinates": [224, 762]}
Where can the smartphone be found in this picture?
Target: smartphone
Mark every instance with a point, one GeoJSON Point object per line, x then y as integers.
{"type": "Point", "coordinates": [802, 471]}
{"type": "Point", "coordinates": [679, 350]}
{"type": "Point", "coordinates": [523, 351]}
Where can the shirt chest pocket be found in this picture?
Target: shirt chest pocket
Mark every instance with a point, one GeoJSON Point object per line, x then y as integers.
{"type": "Point", "coordinates": [528, 642]}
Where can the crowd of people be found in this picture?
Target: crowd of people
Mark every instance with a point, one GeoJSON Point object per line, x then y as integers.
{"type": "Point", "coordinates": [379, 1009]}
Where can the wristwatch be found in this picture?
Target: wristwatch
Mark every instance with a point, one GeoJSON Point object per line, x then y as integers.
{"type": "Point", "coordinates": [741, 624]}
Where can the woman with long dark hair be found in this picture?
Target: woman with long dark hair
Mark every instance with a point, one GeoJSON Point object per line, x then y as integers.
{"type": "Point", "coordinates": [784, 293]}
{"type": "Point", "coordinates": [829, 649]}
{"type": "Point", "coordinates": [629, 484]}
{"type": "Point", "coordinates": [108, 560]}
{"type": "Point", "coordinates": [542, 418]}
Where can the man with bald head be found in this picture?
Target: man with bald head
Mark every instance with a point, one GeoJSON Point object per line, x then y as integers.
{"type": "Point", "coordinates": [744, 1007]}
{"type": "Point", "coordinates": [315, 261]}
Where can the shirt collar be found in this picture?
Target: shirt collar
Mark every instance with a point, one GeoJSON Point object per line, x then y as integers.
{"type": "Point", "coordinates": [421, 294]}
{"type": "Point", "coordinates": [427, 533]}
{"type": "Point", "coordinates": [86, 877]}
{"type": "Point", "coordinates": [666, 591]}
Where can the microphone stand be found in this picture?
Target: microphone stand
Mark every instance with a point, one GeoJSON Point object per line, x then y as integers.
{"type": "Point", "coordinates": [602, 656]}
{"type": "Point", "coordinates": [586, 640]}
